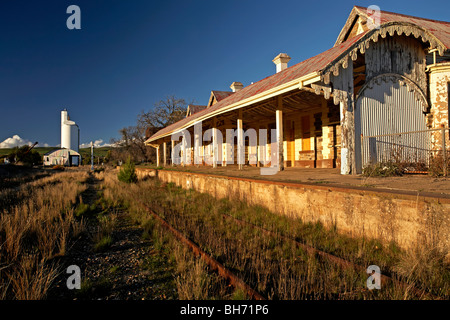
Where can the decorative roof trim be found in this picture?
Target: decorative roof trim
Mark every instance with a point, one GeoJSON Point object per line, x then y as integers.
{"type": "Point", "coordinates": [321, 87]}
{"type": "Point", "coordinates": [403, 81]}
{"type": "Point", "coordinates": [362, 44]}
{"type": "Point", "coordinates": [351, 20]}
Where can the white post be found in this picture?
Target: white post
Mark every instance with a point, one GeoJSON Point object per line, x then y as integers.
{"type": "Point", "coordinates": [279, 128]}
{"type": "Point", "coordinates": [198, 143]}
{"type": "Point", "coordinates": [172, 154]}
{"type": "Point", "coordinates": [183, 151]}
{"type": "Point", "coordinates": [157, 156]}
{"type": "Point", "coordinates": [164, 154]}
{"type": "Point", "coordinates": [240, 141]}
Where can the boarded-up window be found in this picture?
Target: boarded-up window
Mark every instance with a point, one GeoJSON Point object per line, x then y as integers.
{"type": "Point", "coordinates": [318, 123]}
{"type": "Point", "coordinates": [333, 114]}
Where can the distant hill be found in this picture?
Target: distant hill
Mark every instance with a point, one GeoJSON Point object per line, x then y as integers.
{"type": "Point", "coordinates": [98, 152]}
{"type": "Point", "coordinates": [85, 152]}
{"type": "Point", "coordinates": [41, 150]}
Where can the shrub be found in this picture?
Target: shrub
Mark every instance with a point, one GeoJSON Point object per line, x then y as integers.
{"type": "Point", "coordinates": [438, 165]}
{"type": "Point", "coordinates": [103, 243]}
{"type": "Point", "coordinates": [383, 169]}
{"type": "Point", "coordinates": [98, 170]}
{"type": "Point", "coordinates": [127, 172]}
{"type": "Point", "coordinates": [25, 156]}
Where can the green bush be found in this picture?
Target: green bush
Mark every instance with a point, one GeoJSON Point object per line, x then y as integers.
{"type": "Point", "coordinates": [127, 172]}
{"type": "Point", "coordinates": [25, 155]}
{"type": "Point", "coordinates": [103, 243]}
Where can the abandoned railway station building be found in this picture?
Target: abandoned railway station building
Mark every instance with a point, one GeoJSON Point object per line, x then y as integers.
{"type": "Point", "coordinates": [380, 93]}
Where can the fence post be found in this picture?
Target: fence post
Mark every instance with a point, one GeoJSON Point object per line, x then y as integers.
{"type": "Point", "coordinates": [444, 152]}
{"type": "Point", "coordinates": [362, 151]}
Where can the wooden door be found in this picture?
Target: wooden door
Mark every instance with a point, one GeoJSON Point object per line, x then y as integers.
{"type": "Point", "coordinates": [292, 144]}
{"type": "Point", "coordinates": [306, 134]}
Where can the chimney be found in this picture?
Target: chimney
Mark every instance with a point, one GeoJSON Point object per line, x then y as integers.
{"type": "Point", "coordinates": [236, 86]}
{"type": "Point", "coordinates": [281, 61]}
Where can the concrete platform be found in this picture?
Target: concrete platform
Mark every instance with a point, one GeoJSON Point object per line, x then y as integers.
{"type": "Point", "coordinates": [411, 184]}
{"type": "Point", "coordinates": [411, 211]}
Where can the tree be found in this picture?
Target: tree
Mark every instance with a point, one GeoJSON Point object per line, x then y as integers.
{"type": "Point", "coordinates": [127, 173]}
{"type": "Point", "coordinates": [132, 138]}
{"type": "Point", "coordinates": [25, 155]}
{"type": "Point", "coordinates": [131, 144]}
{"type": "Point", "coordinates": [164, 113]}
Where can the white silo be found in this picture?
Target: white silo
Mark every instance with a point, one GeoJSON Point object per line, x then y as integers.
{"type": "Point", "coordinates": [69, 132]}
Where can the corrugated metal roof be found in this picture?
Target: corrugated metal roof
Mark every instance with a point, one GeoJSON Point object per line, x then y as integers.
{"type": "Point", "coordinates": [303, 68]}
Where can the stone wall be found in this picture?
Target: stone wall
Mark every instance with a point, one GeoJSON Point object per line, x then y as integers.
{"type": "Point", "coordinates": [408, 220]}
{"type": "Point", "coordinates": [439, 111]}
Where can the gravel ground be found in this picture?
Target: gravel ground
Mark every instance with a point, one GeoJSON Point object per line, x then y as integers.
{"type": "Point", "coordinates": [129, 269]}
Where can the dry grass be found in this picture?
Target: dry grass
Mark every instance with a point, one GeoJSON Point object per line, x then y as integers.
{"type": "Point", "coordinates": [276, 268]}
{"type": "Point", "coordinates": [103, 237]}
{"type": "Point", "coordinates": [32, 278]}
{"type": "Point", "coordinates": [193, 282]}
{"type": "Point", "coordinates": [192, 278]}
{"type": "Point", "coordinates": [425, 267]}
{"type": "Point", "coordinates": [280, 270]}
{"type": "Point", "coordinates": [34, 229]}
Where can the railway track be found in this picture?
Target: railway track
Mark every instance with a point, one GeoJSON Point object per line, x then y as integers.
{"type": "Point", "coordinates": [237, 282]}
{"type": "Point", "coordinates": [210, 261]}
{"type": "Point", "coordinates": [332, 258]}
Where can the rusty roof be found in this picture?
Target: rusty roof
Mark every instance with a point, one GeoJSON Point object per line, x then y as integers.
{"type": "Point", "coordinates": [318, 63]}
{"type": "Point", "coordinates": [195, 108]}
{"type": "Point", "coordinates": [440, 29]}
{"type": "Point", "coordinates": [220, 95]}
{"type": "Point", "coordinates": [303, 68]}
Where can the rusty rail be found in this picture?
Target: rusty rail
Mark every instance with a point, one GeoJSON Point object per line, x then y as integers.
{"type": "Point", "coordinates": [239, 283]}
{"type": "Point", "coordinates": [332, 258]}
{"type": "Point", "coordinates": [210, 261]}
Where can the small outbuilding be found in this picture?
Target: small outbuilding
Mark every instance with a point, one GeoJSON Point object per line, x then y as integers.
{"type": "Point", "coordinates": [63, 157]}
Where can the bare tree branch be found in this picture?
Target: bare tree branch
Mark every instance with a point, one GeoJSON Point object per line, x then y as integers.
{"type": "Point", "coordinates": [132, 139]}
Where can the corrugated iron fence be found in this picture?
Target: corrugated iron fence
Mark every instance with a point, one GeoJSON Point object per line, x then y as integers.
{"type": "Point", "coordinates": [414, 151]}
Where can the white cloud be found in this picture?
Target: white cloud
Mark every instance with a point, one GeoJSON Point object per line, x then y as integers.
{"type": "Point", "coordinates": [17, 141]}
{"type": "Point", "coordinates": [14, 141]}
{"type": "Point", "coordinates": [97, 144]}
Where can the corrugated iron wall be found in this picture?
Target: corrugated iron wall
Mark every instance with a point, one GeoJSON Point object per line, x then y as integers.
{"type": "Point", "coordinates": [385, 109]}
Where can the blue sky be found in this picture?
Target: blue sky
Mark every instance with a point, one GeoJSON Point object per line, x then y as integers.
{"type": "Point", "coordinates": [131, 54]}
